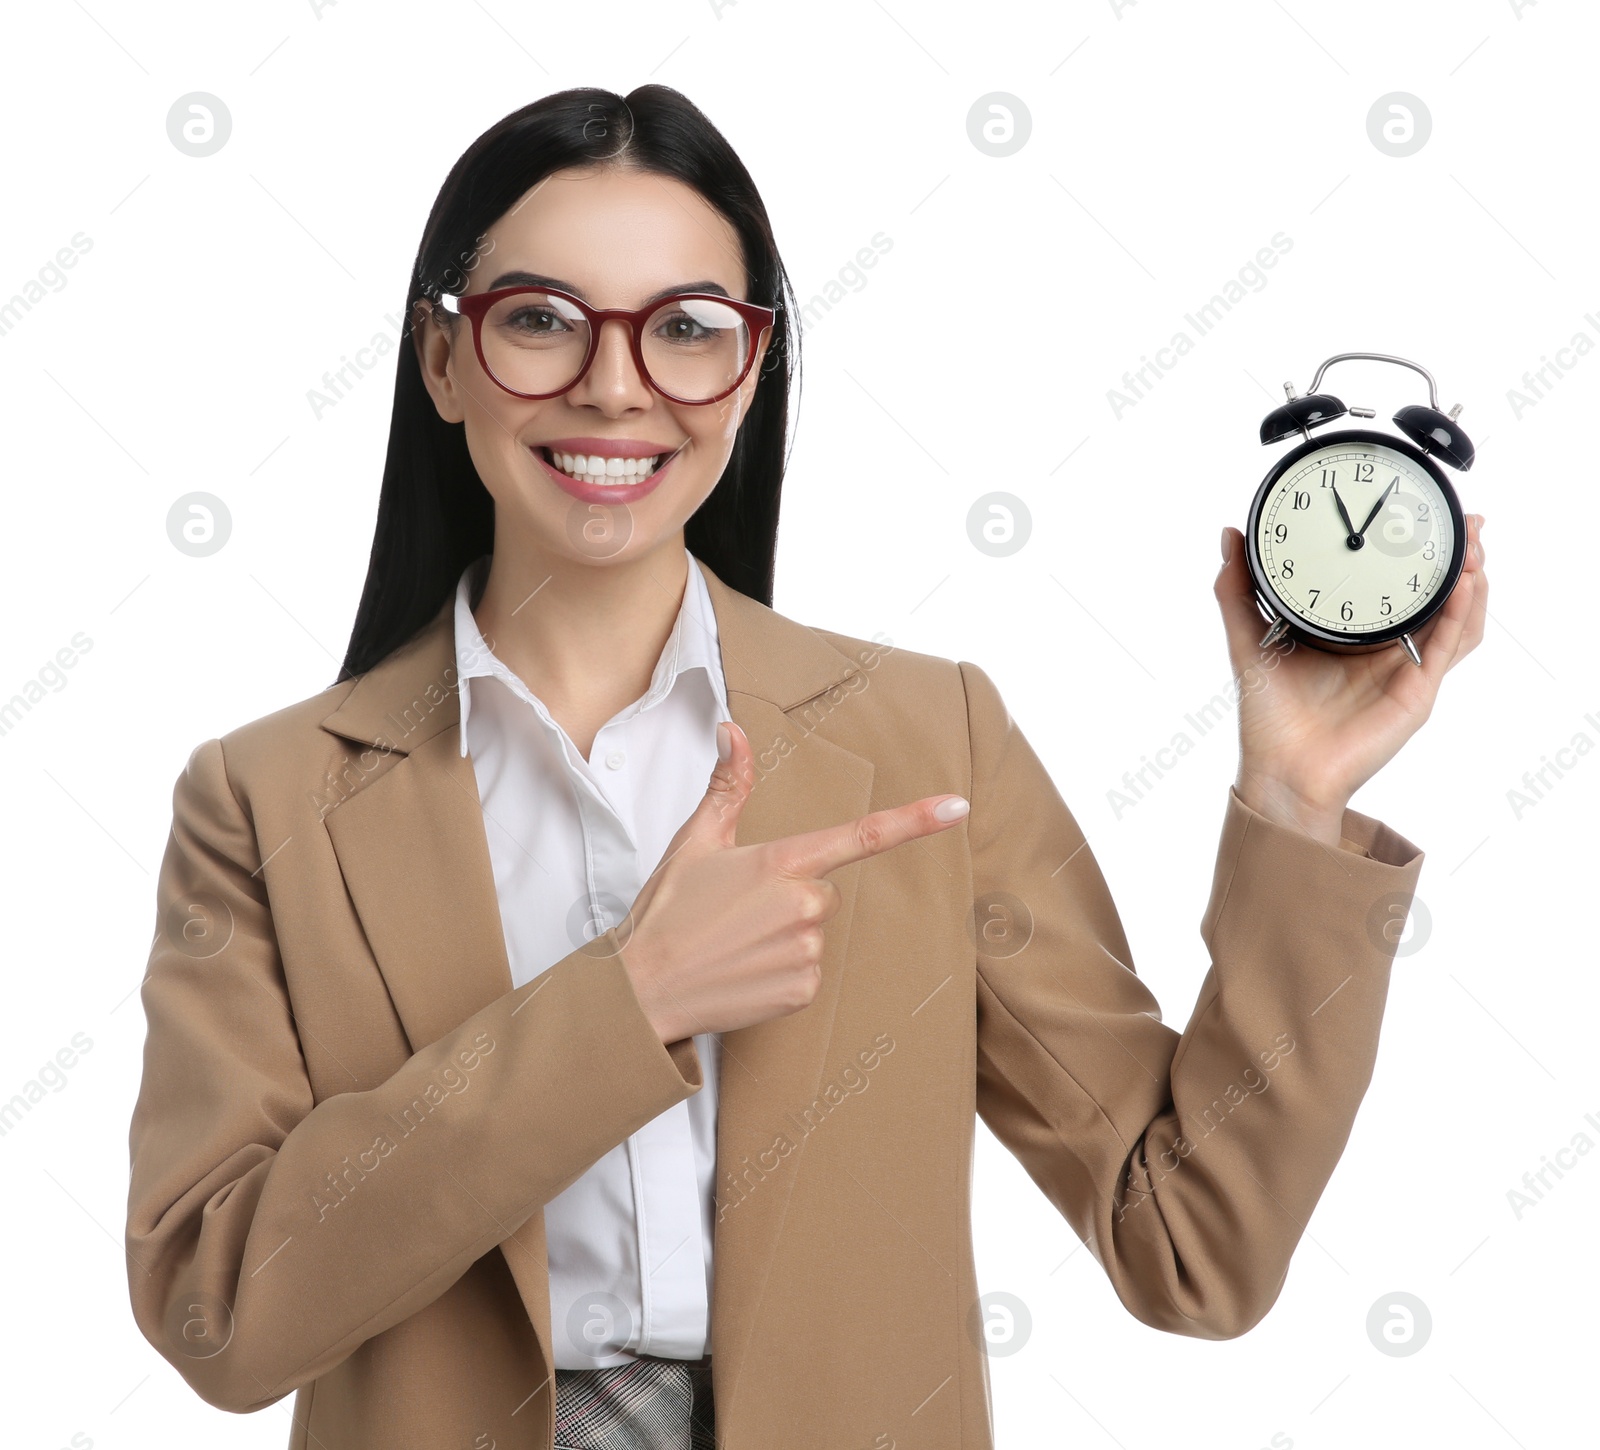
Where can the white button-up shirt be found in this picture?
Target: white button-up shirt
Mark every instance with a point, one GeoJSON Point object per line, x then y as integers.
{"type": "Point", "coordinates": [572, 842]}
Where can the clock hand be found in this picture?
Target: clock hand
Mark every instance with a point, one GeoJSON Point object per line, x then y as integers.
{"type": "Point", "coordinates": [1344, 513]}
{"type": "Point", "coordinates": [1374, 514]}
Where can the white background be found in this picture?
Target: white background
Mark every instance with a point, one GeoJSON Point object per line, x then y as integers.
{"type": "Point", "coordinates": [1169, 143]}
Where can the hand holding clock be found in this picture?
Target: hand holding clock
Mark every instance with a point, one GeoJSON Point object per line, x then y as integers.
{"type": "Point", "coordinates": [1315, 726]}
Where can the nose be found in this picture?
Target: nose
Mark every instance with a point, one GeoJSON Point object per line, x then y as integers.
{"type": "Point", "coordinates": [613, 382]}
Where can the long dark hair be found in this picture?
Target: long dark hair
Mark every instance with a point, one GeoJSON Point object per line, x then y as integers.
{"type": "Point", "coordinates": [434, 514]}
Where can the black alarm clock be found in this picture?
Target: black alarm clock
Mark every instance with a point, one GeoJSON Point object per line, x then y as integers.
{"type": "Point", "coordinates": [1355, 537]}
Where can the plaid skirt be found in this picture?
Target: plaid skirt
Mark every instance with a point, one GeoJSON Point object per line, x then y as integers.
{"type": "Point", "coordinates": [645, 1404]}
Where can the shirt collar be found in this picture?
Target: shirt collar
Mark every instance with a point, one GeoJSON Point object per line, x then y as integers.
{"type": "Point", "coordinates": [693, 644]}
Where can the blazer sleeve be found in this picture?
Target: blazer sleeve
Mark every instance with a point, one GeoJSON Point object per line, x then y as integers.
{"type": "Point", "coordinates": [248, 1270]}
{"type": "Point", "coordinates": [1188, 1163]}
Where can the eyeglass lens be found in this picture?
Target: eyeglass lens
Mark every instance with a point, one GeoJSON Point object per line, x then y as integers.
{"type": "Point", "coordinates": [694, 347]}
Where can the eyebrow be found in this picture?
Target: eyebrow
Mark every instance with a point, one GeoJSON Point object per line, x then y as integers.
{"type": "Point", "coordinates": [535, 279]}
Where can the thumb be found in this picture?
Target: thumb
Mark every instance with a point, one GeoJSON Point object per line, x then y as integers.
{"type": "Point", "coordinates": [716, 818]}
{"type": "Point", "coordinates": [1236, 598]}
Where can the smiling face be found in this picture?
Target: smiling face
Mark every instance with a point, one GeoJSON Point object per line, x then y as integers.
{"type": "Point", "coordinates": [614, 237]}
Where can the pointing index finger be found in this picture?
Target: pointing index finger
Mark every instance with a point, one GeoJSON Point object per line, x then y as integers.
{"type": "Point", "coordinates": [815, 853]}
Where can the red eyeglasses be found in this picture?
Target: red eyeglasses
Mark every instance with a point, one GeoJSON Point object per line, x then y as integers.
{"type": "Point", "coordinates": [538, 342]}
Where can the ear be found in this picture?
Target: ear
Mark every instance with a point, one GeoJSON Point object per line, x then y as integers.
{"type": "Point", "coordinates": [747, 389]}
{"type": "Point", "coordinates": [433, 343]}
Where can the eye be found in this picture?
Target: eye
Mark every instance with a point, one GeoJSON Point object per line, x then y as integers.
{"type": "Point", "coordinates": [538, 319]}
{"type": "Point", "coordinates": [695, 320]}
{"type": "Point", "coordinates": [678, 326]}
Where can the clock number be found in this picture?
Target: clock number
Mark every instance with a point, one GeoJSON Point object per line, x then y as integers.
{"type": "Point", "coordinates": [1386, 606]}
{"type": "Point", "coordinates": [1328, 477]}
{"type": "Point", "coordinates": [1314, 594]}
{"type": "Point", "coordinates": [1427, 549]}
{"type": "Point", "coordinates": [1415, 587]}
{"type": "Point", "coordinates": [1281, 532]}
{"type": "Point", "coordinates": [1363, 473]}
{"type": "Point", "coordinates": [1345, 610]}
{"type": "Point", "coordinates": [1288, 568]}
{"type": "Point", "coordinates": [1302, 500]}
{"type": "Point", "coordinates": [1422, 511]}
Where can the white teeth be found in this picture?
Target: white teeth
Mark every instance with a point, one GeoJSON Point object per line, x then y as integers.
{"type": "Point", "coordinates": [595, 468]}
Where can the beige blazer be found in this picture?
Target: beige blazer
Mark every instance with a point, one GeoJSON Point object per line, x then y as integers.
{"type": "Point", "coordinates": [349, 1120]}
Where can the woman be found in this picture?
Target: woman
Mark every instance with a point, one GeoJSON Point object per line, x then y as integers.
{"type": "Point", "coordinates": [598, 983]}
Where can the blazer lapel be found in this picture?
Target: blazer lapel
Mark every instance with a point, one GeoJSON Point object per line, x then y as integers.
{"type": "Point", "coordinates": [411, 846]}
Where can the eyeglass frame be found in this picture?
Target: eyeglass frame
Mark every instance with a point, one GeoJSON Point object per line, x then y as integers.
{"type": "Point", "coordinates": [473, 305]}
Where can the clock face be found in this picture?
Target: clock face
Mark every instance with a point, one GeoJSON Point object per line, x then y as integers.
{"type": "Point", "coordinates": [1369, 567]}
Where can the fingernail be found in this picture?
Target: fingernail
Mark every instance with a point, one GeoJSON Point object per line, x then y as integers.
{"type": "Point", "coordinates": [724, 742]}
{"type": "Point", "coordinates": [952, 809]}
{"type": "Point", "coordinates": [1227, 545]}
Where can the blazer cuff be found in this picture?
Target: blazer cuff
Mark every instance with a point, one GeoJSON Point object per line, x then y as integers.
{"type": "Point", "coordinates": [672, 1067]}
{"type": "Point", "coordinates": [1360, 835]}
{"type": "Point", "coordinates": [1260, 862]}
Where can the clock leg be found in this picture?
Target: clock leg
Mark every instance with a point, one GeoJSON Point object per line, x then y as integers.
{"type": "Point", "coordinates": [1411, 649]}
{"type": "Point", "coordinates": [1275, 632]}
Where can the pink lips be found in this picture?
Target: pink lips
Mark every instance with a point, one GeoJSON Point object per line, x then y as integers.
{"type": "Point", "coordinates": [600, 492]}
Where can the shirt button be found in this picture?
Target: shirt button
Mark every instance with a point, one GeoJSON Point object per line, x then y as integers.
{"type": "Point", "coordinates": [615, 760]}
